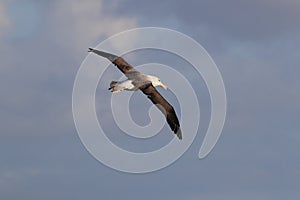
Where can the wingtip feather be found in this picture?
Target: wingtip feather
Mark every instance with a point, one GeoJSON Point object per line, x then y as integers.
{"type": "Point", "coordinates": [179, 134]}
{"type": "Point", "coordinates": [109, 56]}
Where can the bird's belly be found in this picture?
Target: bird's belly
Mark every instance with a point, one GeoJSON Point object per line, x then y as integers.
{"type": "Point", "coordinates": [127, 85]}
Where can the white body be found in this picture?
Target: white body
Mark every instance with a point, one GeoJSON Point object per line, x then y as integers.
{"type": "Point", "coordinates": [124, 85]}
{"type": "Point", "coordinates": [118, 86]}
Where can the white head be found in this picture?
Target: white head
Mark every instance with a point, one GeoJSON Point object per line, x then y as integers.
{"type": "Point", "coordinates": [156, 82]}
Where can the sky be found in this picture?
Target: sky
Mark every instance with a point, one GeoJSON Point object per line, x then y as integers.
{"type": "Point", "coordinates": [254, 43]}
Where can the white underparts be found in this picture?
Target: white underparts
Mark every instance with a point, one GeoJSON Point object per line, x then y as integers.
{"type": "Point", "coordinates": [123, 85]}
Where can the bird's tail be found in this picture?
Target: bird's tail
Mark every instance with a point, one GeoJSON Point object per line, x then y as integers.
{"type": "Point", "coordinates": [112, 85]}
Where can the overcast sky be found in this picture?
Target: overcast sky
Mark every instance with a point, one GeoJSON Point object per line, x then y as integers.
{"type": "Point", "coordinates": [256, 47]}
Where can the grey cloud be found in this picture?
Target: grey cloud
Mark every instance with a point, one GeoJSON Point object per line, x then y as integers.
{"type": "Point", "coordinates": [255, 45]}
{"type": "Point", "coordinates": [245, 20]}
{"type": "Point", "coordinates": [38, 69]}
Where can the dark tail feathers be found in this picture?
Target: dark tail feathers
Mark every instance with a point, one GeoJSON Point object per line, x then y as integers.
{"type": "Point", "coordinates": [112, 84]}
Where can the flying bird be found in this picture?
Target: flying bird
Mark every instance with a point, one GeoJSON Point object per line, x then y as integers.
{"type": "Point", "coordinates": [146, 83]}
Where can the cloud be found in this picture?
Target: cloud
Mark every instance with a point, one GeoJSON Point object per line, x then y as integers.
{"type": "Point", "coordinates": [242, 20]}
{"type": "Point", "coordinates": [255, 45]}
{"type": "Point", "coordinates": [37, 71]}
{"type": "Point", "coordinates": [4, 19]}
{"type": "Point", "coordinates": [79, 24]}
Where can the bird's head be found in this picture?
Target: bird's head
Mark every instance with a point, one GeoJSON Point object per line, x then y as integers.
{"type": "Point", "coordinates": [157, 82]}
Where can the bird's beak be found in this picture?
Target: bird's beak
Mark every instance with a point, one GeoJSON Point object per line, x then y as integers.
{"type": "Point", "coordinates": [164, 86]}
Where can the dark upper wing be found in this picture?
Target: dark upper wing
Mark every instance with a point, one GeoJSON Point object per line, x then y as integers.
{"type": "Point", "coordinates": [126, 68]}
{"type": "Point", "coordinates": [163, 106]}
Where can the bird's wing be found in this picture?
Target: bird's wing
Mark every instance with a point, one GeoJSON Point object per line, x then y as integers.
{"type": "Point", "coordinates": [123, 66]}
{"type": "Point", "coordinates": [164, 106]}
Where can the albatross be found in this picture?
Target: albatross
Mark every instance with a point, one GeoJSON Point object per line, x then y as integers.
{"type": "Point", "coordinates": [145, 83]}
